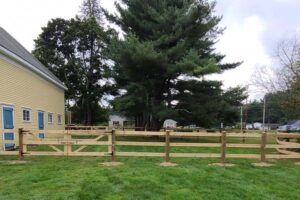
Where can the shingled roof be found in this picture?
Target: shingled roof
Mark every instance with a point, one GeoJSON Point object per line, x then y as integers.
{"type": "Point", "coordinates": [11, 45]}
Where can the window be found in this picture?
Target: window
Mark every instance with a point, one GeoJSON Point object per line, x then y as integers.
{"type": "Point", "coordinates": [9, 136]}
{"type": "Point", "coordinates": [116, 123]}
{"type": "Point", "coordinates": [50, 118]}
{"type": "Point", "coordinates": [41, 136]}
{"type": "Point", "coordinates": [59, 119]}
{"type": "Point", "coordinates": [26, 115]}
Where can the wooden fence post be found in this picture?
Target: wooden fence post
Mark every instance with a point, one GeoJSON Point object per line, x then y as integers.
{"type": "Point", "coordinates": [21, 153]}
{"type": "Point", "coordinates": [223, 147]}
{"type": "Point", "coordinates": [244, 139]}
{"type": "Point", "coordinates": [113, 147]}
{"type": "Point", "coordinates": [67, 146]}
{"type": "Point", "coordinates": [24, 141]}
{"type": "Point", "coordinates": [167, 147]}
{"type": "Point", "coordinates": [109, 141]}
{"type": "Point", "coordinates": [263, 147]}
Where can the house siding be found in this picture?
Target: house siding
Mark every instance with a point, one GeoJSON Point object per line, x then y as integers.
{"type": "Point", "coordinates": [19, 87]}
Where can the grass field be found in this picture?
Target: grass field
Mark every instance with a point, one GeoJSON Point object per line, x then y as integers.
{"type": "Point", "coordinates": [142, 178]}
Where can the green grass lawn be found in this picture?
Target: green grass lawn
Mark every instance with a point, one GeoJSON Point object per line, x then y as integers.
{"type": "Point", "coordinates": [142, 178]}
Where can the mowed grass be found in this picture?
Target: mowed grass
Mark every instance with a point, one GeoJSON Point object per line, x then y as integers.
{"type": "Point", "coordinates": [142, 178]}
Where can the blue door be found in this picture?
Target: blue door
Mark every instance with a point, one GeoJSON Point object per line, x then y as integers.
{"type": "Point", "coordinates": [41, 124]}
{"type": "Point", "coordinates": [8, 118]}
{"type": "Point", "coordinates": [8, 123]}
{"type": "Point", "coordinates": [41, 121]}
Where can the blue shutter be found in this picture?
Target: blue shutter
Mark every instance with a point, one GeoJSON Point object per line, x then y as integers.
{"type": "Point", "coordinates": [41, 136]}
{"type": "Point", "coordinates": [8, 118]}
{"type": "Point", "coordinates": [9, 136]}
{"type": "Point", "coordinates": [41, 121]}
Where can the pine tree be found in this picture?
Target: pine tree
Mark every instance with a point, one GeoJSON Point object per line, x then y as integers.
{"type": "Point", "coordinates": [167, 51]}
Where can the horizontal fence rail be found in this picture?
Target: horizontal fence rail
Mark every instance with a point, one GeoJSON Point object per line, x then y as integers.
{"type": "Point", "coordinates": [75, 142]}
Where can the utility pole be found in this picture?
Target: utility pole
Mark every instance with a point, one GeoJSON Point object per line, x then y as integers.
{"type": "Point", "coordinates": [264, 113]}
{"type": "Point", "coordinates": [241, 119]}
{"type": "Point", "coordinates": [246, 113]}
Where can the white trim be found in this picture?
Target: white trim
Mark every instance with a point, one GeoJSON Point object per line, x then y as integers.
{"type": "Point", "coordinates": [30, 114]}
{"type": "Point", "coordinates": [25, 107]}
{"type": "Point", "coordinates": [31, 67]}
{"type": "Point", "coordinates": [7, 104]}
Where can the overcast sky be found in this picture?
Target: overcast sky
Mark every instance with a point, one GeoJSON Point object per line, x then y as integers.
{"type": "Point", "coordinates": [253, 28]}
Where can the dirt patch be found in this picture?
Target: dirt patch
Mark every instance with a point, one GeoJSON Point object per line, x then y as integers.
{"type": "Point", "coordinates": [15, 162]}
{"type": "Point", "coordinates": [297, 163]}
{"type": "Point", "coordinates": [167, 164]}
{"type": "Point", "coordinates": [262, 164]}
{"type": "Point", "coordinates": [222, 164]}
{"type": "Point", "coordinates": [111, 164]}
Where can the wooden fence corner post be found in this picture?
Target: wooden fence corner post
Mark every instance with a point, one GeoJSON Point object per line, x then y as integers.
{"type": "Point", "coordinates": [167, 147]}
{"type": "Point", "coordinates": [263, 147]}
{"type": "Point", "coordinates": [70, 143]}
{"type": "Point", "coordinates": [113, 147]}
{"type": "Point", "coordinates": [67, 144]}
{"type": "Point", "coordinates": [223, 147]}
{"type": "Point", "coordinates": [21, 153]}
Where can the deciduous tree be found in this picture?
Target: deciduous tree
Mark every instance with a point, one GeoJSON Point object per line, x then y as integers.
{"type": "Point", "coordinates": [75, 51]}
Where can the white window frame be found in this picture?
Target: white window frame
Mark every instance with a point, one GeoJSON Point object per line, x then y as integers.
{"type": "Point", "coordinates": [59, 116]}
{"type": "Point", "coordinates": [50, 114]}
{"type": "Point", "coordinates": [30, 115]}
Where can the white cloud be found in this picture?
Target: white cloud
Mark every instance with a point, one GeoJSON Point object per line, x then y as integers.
{"type": "Point", "coordinates": [242, 42]}
{"type": "Point", "coordinates": [24, 19]}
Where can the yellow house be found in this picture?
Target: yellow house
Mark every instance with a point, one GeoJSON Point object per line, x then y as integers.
{"type": "Point", "coordinates": [31, 97]}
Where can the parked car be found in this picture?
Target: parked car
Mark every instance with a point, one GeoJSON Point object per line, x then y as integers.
{"type": "Point", "coordinates": [284, 128]}
{"type": "Point", "coordinates": [291, 126]}
{"type": "Point", "coordinates": [294, 128]}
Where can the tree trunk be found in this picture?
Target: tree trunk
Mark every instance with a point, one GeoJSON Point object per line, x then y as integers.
{"type": "Point", "coordinates": [155, 125]}
{"type": "Point", "coordinates": [88, 121]}
{"type": "Point", "coordinates": [139, 123]}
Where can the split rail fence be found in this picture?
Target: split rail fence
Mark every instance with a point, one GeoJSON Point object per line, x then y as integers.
{"type": "Point", "coordinates": [75, 142]}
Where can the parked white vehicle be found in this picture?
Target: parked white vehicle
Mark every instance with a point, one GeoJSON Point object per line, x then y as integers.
{"type": "Point", "coordinates": [294, 128]}
{"type": "Point", "coordinates": [170, 123]}
{"type": "Point", "coordinates": [284, 128]}
{"type": "Point", "coordinates": [293, 125]}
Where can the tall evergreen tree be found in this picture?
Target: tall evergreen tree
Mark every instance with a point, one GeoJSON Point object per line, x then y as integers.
{"type": "Point", "coordinates": [167, 50]}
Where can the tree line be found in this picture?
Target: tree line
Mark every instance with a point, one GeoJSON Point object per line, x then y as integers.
{"type": "Point", "coordinates": [280, 83]}
{"type": "Point", "coordinates": [149, 62]}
